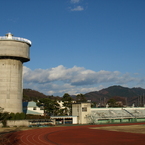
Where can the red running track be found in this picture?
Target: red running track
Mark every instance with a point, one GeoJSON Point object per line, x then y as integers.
{"type": "Point", "coordinates": [75, 135]}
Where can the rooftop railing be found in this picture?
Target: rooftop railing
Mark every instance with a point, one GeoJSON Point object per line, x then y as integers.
{"type": "Point", "coordinates": [15, 38]}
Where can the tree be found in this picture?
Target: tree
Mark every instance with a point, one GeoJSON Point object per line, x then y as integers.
{"type": "Point", "coordinates": [3, 117]}
{"type": "Point", "coordinates": [62, 112]}
{"type": "Point", "coordinates": [50, 106]}
{"type": "Point", "coordinates": [12, 116]}
{"type": "Point", "coordinates": [67, 103]}
{"type": "Point", "coordinates": [80, 98]}
{"type": "Point", "coordinates": [112, 102]}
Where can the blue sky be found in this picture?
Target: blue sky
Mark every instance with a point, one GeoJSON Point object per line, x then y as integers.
{"type": "Point", "coordinates": [79, 46]}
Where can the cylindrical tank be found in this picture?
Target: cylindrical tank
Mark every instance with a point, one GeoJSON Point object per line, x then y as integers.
{"type": "Point", "coordinates": [14, 51]}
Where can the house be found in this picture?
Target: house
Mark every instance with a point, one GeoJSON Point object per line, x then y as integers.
{"type": "Point", "coordinates": [32, 108]}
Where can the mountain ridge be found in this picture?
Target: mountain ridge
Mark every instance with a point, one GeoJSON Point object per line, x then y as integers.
{"type": "Point", "coordinates": [130, 95]}
{"type": "Point", "coordinates": [127, 95]}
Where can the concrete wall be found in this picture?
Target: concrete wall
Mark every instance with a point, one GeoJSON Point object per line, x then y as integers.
{"type": "Point", "coordinates": [75, 120]}
{"type": "Point", "coordinates": [85, 112]}
{"type": "Point", "coordinates": [13, 48]}
{"type": "Point", "coordinates": [18, 123]}
{"type": "Point", "coordinates": [81, 110]}
{"type": "Point", "coordinates": [11, 85]}
{"type": "Point", "coordinates": [27, 123]}
{"type": "Point", "coordinates": [12, 55]}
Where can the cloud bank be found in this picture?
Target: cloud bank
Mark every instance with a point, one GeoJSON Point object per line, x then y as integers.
{"type": "Point", "coordinates": [60, 80]}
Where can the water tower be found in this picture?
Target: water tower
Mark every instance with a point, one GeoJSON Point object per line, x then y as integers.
{"type": "Point", "coordinates": [14, 51]}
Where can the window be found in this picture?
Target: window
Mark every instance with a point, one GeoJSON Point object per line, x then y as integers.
{"type": "Point", "coordinates": [34, 108]}
{"type": "Point", "coordinates": [84, 109]}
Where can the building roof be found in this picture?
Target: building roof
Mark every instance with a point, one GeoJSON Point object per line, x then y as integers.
{"type": "Point", "coordinates": [29, 104]}
{"type": "Point", "coordinates": [63, 116]}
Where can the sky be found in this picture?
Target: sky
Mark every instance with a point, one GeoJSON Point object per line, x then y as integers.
{"type": "Point", "coordinates": [79, 46]}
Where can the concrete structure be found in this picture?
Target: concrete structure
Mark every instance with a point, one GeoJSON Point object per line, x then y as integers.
{"type": "Point", "coordinates": [32, 108]}
{"type": "Point", "coordinates": [14, 51]}
{"type": "Point", "coordinates": [29, 123]}
{"type": "Point", "coordinates": [81, 110]}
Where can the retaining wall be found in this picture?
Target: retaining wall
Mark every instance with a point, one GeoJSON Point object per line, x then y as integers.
{"type": "Point", "coordinates": [18, 123]}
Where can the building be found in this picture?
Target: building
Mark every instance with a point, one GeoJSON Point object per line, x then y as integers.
{"type": "Point", "coordinates": [14, 51]}
{"type": "Point", "coordinates": [64, 119]}
{"type": "Point", "coordinates": [32, 108]}
{"type": "Point", "coordinates": [82, 113]}
{"type": "Point", "coordinates": [86, 115]}
{"type": "Point", "coordinates": [81, 110]}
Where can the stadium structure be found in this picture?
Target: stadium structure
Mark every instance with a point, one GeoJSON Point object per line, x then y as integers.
{"type": "Point", "coordinates": [82, 113]}
{"type": "Point", "coordinates": [85, 114]}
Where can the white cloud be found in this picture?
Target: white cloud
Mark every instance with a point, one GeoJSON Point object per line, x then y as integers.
{"type": "Point", "coordinates": [60, 80]}
{"type": "Point", "coordinates": [77, 8]}
{"type": "Point", "coordinates": [75, 1]}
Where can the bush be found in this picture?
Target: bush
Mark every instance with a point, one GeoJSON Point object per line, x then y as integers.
{"type": "Point", "coordinates": [12, 116]}
{"type": "Point", "coordinates": [22, 116]}
{"type": "Point", "coordinates": [17, 116]}
{"type": "Point", "coordinates": [31, 116]}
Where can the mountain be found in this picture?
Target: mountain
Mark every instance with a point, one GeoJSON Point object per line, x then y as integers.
{"type": "Point", "coordinates": [29, 95]}
{"type": "Point", "coordinates": [128, 96]}
{"type": "Point", "coordinates": [32, 95]}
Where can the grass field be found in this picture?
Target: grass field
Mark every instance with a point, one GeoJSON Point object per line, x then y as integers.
{"type": "Point", "coordinates": [127, 128]}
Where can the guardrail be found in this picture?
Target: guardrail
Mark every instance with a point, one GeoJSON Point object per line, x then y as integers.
{"type": "Point", "coordinates": [15, 38]}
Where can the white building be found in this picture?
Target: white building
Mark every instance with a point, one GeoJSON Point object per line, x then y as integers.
{"type": "Point", "coordinates": [32, 108]}
{"type": "Point", "coordinates": [81, 110]}
{"type": "Point", "coordinates": [65, 119]}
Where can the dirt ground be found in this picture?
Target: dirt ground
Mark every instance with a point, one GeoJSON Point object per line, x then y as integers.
{"type": "Point", "coordinates": [128, 128]}
{"type": "Point", "coordinates": [11, 129]}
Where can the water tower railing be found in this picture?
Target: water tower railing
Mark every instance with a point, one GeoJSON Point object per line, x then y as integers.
{"type": "Point", "coordinates": [15, 38]}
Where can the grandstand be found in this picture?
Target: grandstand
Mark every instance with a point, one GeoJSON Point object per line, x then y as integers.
{"type": "Point", "coordinates": [116, 115]}
{"type": "Point", "coordinates": [107, 115]}
{"type": "Point", "coordinates": [110, 113]}
{"type": "Point", "coordinates": [136, 112]}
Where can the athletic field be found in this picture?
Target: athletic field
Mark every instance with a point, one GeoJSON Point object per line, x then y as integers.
{"type": "Point", "coordinates": [109, 134]}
